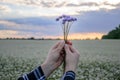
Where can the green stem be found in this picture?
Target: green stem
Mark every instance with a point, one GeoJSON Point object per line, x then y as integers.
{"type": "Point", "coordinates": [69, 26]}
{"type": "Point", "coordinates": [66, 30]}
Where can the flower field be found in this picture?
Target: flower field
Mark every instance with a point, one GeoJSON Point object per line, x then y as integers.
{"type": "Point", "coordinates": [99, 59]}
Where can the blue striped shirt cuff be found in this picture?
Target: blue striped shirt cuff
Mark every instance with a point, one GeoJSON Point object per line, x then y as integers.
{"type": "Point", "coordinates": [36, 74]}
{"type": "Point", "coordinates": [69, 75]}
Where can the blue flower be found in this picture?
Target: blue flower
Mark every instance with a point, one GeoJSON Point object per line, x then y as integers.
{"type": "Point", "coordinates": [66, 18]}
{"type": "Point", "coordinates": [57, 19]}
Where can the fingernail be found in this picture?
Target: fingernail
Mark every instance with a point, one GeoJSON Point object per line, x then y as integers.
{"type": "Point", "coordinates": [66, 45]}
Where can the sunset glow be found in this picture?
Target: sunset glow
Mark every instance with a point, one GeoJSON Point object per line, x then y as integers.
{"type": "Point", "coordinates": [80, 36]}
{"type": "Point", "coordinates": [15, 34]}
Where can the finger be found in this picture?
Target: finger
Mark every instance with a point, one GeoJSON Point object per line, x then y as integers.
{"type": "Point", "coordinates": [60, 60]}
{"type": "Point", "coordinates": [69, 42]}
{"type": "Point", "coordinates": [62, 54]}
{"type": "Point", "coordinates": [61, 45]}
{"type": "Point", "coordinates": [56, 45]}
{"type": "Point", "coordinates": [73, 49]}
{"type": "Point", "coordinates": [67, 49]}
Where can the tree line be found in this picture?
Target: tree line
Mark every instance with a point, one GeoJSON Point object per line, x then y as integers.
{"type": "Point", "coordinates": [31, 38]}
{"type": "Point", "coordinates": [113, 34]}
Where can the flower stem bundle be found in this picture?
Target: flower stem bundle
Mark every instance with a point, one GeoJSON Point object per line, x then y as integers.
{"type": "Point", "coordinates": [66, 21]}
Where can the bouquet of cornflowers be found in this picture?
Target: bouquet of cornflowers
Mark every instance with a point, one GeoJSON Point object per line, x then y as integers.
{"type": "Point", "coordinates": [66, 22]}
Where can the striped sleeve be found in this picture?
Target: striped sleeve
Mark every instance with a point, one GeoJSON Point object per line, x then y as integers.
{"type": "Point", "coordinates": [69, 75]}
{"type": "Point", "coordinates": [36, 74]}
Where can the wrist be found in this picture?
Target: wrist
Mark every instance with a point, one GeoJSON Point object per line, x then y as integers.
{"type": "Point", "coordinates": [70, 68]}
{"type": "Point", "coordinates": [47, 69]}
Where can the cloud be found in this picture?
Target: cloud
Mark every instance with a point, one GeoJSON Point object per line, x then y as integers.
{"type": "Point", "coordinates": [8, 23]}
{"type": "Point", "coordinates": [16, 26]}
{"type": "Point", "coordinates": [7, 33]}
{"type": "Point", "coordinates": [54, 3]}
{"type": "Point", "coordinates": [19, 34]}
{"type": "Point", "coordinates": [58, 7]}
{"type": "Point", "coordinates": [4, 9]}
{"type": "Point", "coordinates": [30, 27]}
{"type": "Point", "coordinates": [23, 30]}
{"type": "Point", "coordinates": [97, 21]}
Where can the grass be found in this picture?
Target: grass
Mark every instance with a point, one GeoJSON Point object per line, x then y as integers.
{"type": "Point", "coordinates": [11, 68]}
{"type": "Point", "coordinates": [99, 60]}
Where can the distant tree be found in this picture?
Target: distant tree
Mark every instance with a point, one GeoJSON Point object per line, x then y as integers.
{"type": "Point", "coordinates": [32, 38]}
{"type": "Point", "coordinates": [96, 38]}
{"type": "Point", "coordinates": [7, 38]}
{"type": "Point", "coordinates": [57, 39]}
{"type": "Point", "coordinates": [10, 38]}
{"type": "Point", "coordinates": [104, 37]}
{"type": "Point", "coordinates": [23, 38]}
{"type": "Point", "coordinates": [42, 38]}
{"type": "Point", "coordinates": [113, 34]}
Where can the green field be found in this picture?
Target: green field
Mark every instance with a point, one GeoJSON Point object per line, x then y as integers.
{"type": "Point", "coordinates": [99, 59]}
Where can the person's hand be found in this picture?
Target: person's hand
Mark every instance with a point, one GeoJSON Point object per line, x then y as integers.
{"type": "Point", "coordinates": [72, 58]}
{"type": "Point", "coordinates": [54, 58]}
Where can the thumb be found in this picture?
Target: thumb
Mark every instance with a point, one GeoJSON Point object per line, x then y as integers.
{"type": "Point", "coordinates": [67, 49]}
{"type": "Point", "coordinates": [60, 46]}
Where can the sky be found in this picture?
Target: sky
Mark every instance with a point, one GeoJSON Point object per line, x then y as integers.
{"type": "Point", "coordinates": [36, 18]}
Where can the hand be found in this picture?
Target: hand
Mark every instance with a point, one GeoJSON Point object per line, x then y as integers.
{"type": "Point", "coordinates": [72, 58]}
{"type": "Point", "coordinates": [54, 58]}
